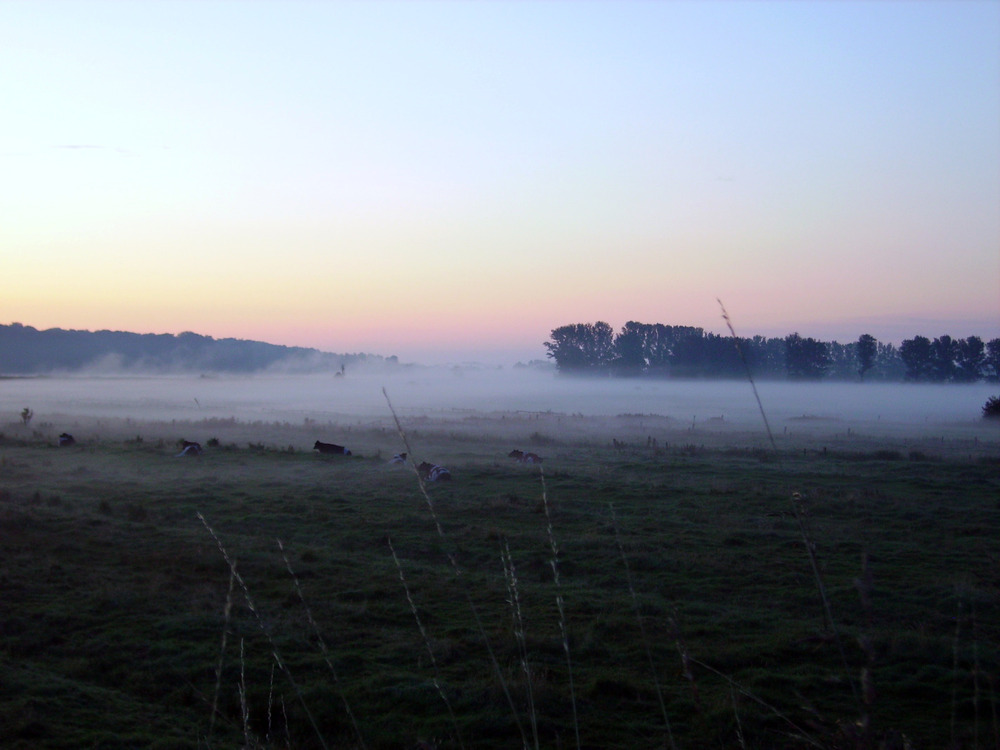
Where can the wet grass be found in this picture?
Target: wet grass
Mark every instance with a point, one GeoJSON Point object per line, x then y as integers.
{"type": "Point", "coordinates": [114, 595]}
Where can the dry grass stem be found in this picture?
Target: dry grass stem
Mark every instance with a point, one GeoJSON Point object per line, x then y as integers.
{"type": "Point", "coordinates": [514, 600]}
{"type": "Point", "coordinates": [554, 562]}
{"type": "Point", "coordinates": [458, 576]}
{"type": "Point", "coordinates": [800, 732]}
{"type": "Point", "coordinates": [244, 708]}
{"type": "Point", "coordinates": [322, 645]}
{"type": "Point", "coordinates": [746, 366]}
{"type": "Point", "coordinates": [222, 651]}
{"type": "Point", "coordinates": [736, 715]}
{"type": "Point", "coordinates": [263, 628]}
{"type": "Point", "coordinates": [427, 644]}
{"type": "Point", "coordinates": [642, 630]}
{"type": "Point", "coordinates": [800, 517]}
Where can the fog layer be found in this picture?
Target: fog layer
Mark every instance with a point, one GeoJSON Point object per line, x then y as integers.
{"type": "Point", "coordinates": [447, 392]}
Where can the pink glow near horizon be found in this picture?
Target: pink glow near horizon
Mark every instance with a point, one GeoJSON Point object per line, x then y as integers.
{"type": "Point", "coordinates": [452, 179]}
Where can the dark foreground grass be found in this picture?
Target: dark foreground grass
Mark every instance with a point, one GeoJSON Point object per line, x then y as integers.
{"type": "Point", "coordinates": [113, 598]}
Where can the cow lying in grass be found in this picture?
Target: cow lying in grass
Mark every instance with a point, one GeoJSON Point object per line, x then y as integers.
{"type": "Point", "coordinates": [66, 439]}
{"type": "Point", "coordinates": [331, 448]}
{"type": "Point", "coordinates": [434, 473]}
{"type": "Point", "coordinates": [525, 458]}
{"type": "Point", "coordinates": [189, 449]}
{"type": "Point", "coordinates": [399, 458]}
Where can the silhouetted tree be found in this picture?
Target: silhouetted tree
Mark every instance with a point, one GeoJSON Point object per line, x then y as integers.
{"type": "Point", "coordinates": [767, 356]}
{"type": "Point", "coordinates": [970, 358]}
{"type": "Point", "coordinates": [867, 348]}
{"type": "Point", "coordinates": [991, 364]}
{"type": "Point", "coordinates": [991, 409]}
{"type": "Point", "coordinates": [582, 347]}
{"type": "Point", "coordinates": [659, 350]}
{"type": "Point", "coordinates": [630, 349]}
{"type": "Point", "coordinates": [843, 360]}
{"type": "Point", "coordinates": [944, 350]}
{"type": "Point", "coordinates": [805, 358]}
{"type": "Point", "coordinates": [888, 364]}
{"type": "Point", "coordinates": [917, 356]}
{"type": "Point", "coordinates": [24, 349]}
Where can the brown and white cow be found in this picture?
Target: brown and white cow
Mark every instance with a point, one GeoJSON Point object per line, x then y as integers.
{"type": "Point", "coordinates": [433, 472]}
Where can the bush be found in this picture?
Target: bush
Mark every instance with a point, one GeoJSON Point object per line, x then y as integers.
{"type": "Point", "coordinates": [991, 409]}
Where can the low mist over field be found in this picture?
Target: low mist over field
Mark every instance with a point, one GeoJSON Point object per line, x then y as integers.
{"type": "Point", "coordinates": [457, 393]}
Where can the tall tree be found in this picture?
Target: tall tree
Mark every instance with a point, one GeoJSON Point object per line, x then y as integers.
{"type": "Point", "coordinates": [867, 348]}
{"type": "Point", "coordinates": [582, 347]}
{"type": "Point", "coordinates": [630, 348]}
{"type": "Point", "coordinates": [805, 358]}
{"type": "Point", "coordinates": [944, 351]}
{"type": "Point", "coordinates": [970, 360]}
{"type": "Point", "coordinates": [991, 366]}
{"type": "Point", "coordinates": [918, 358]}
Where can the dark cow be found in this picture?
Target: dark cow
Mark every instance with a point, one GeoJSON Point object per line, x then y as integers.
{"type": "Point", "coordinates": [399, 458]}
{"type": "Point", "coordinates": [189, 449]}
{"type": "Point", "coordinates": [525, 458]}
{"type": "Point", "coordinates": [66, 439]}
{"type": "Point", "coordinates": [434, 473]}
{"type": "Point", "coordinates": [331, 448]}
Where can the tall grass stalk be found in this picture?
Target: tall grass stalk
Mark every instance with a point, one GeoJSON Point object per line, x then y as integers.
{"type": "Point", "coordinates": [427, 644]}
{"type": "Point", "coordinates": [554, 562]}
{"type": "Point", "coordinates": [263, 629]}
{"type": "Point", "coordinates": [993, 709]}
{"type": "Point", "coordinates": [682, 650]}
{"type": "Point", "coordinates": [954, 669]}
{"type": "Point", "coordinates": [270, 705]}
{"type": "Point", "coordinates": [801, 733]}
{"type": "Point", "coordinates": [642, 630]}
{"type": "Point", "coordinates": [244, 707]}
{"type": "Point", "coordinates": [810, 545]}
{"type": "Point", "coordinates": [975, 680]}
{"type": "Point", "coordinates": [746, 367]}
{"type": "Point", "coordinates": [222, 652]}
{"type": "Point", "coordinates": [322, 645]}
{"type": "Point", "coordinates": [458, 574]}
{"type": "Point", "coordinates": [736, 715]}
{"type": "Point", "coordinates": [514, 600]}
{"type": "Point", "coordinates": [796, 503]}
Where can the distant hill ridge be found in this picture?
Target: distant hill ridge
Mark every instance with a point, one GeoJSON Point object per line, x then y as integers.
{"type": "Point", "coordinates": [26, 350]}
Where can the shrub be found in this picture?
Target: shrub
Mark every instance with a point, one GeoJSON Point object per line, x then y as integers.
{"type": "Point", "coordinates": [991, 409]}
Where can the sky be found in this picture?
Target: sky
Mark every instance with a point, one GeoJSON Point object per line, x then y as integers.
{"type": "Point", "coordinates": [450, 181]}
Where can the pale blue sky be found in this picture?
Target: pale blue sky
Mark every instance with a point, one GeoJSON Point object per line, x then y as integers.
{"type": "Point", "coordinates": [453, 180]}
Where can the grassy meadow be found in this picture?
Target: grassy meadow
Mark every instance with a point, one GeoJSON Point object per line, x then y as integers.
{"type": "Point", "coordinates": [657, 585]}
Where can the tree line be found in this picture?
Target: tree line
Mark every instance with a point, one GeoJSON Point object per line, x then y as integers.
{"type": "Point", "coordinates": [27, 350]}
{"type": "Point", "coordinates": [657, 350]}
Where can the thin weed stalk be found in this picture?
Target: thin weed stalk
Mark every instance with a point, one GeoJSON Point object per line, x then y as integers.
{"type": "Point", "coordinates": [322, 645]}
{"type": "Point", "coordinates": [222, 652]}
{"type": "Point", "coordinates": [954, 670]}
{"type": "Point", "coordinates": [810, 545]}
{"type": "Point", "coordinates": [270, 705]}
{"type": "Point", "coordinates": [458, 575]}
{"type": "Point", "coordinates": [736, 715]}
{"type": "Point", "coordinates": [263, 628]}
{"type": "Point", "coordinates": [796, 504]}
{"type": "Point", "coordinates": [682, 650]}
{"type": "Point", "coordinates": [244, 707]}
{"type": "Point", "coordinates": [642, 629]}
{"type": "Point", "coordinates": [514, 600]}
{"type": "Point", "coordinates": [801, 733]}
{"type": "Point", "coordinates": [746, 367]}
{"type": "Point", "coordinates": [554, 562]}
{"type": "Point", "coordinates": [427, 644]}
